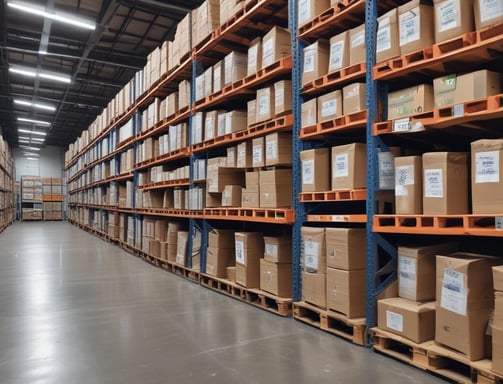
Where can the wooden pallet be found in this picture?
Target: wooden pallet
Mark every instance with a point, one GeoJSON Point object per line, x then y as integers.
{"type": "Point", "coordinates": [330, 196]}
{"type": "Point", "coordinates": [354, 330]}
{"type": "Point", "coordinates": [337, 78]}
{"type": "Point", "coordinates": [356, 121]}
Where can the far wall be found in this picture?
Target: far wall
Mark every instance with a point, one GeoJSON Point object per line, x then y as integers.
{"type": "Point", "coordinates": [50, 163]}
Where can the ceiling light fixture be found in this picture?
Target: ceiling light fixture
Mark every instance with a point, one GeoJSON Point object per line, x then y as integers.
{"type": "Point", "coordinates": [40, 133]}
{"type": "Point", "coordinates": [32, 158]}
{"type": "Point", "coordinates": [41, 140]}
{"type": "Point", "coordinates": [27, 147]}
{"type": "Point", "coordinates": [43, 75]}
{"type": "Point", "coordinates": [39, 122]}
{"type": "Point", "coordinates": [67, 19]}
{"type": "Point", "coordinates": [27, 103]}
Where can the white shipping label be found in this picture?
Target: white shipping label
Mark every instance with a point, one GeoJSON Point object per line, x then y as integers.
{"type": "Point", "coordinates": [271, 249]}
{"type": "Point", "coordinates": [270, 151]}
{"type": "Point", "coordinates": [308, 172]}
{"type": "Point", "coordinates": [407, 267]}
{"type": "Point", "coordinates": [210, 129]}
{"type": "Point", "coordinates": [311, 250]}
{"type": "Point", "coordinates": [263, 105]}
{"type": "Point", "coordinates": [409, 25]}
{"type": "Point", "coordinates": [383, 37]}
{"type": "Point", "coordinates": [329, 108]}
{"type": "Point", "coordinates": [448, 15]}
{"type": "Point", "coordinates": [454, 295]}
{"type": "Point", "coordinates": [487, 167]}
{"type": "Point", "coordinates": [257, 154]}
{"type": "Point", "coordinates": [304, 11]}
{"type": "Point", "coordinates": [394, 321]}
{"type": "Point", "coordinates": [336, 55]}
{"type": "Point", "coordinates": [386, 170]}
{"type": "Point", "coordinates": [404, 176]}
{"type": "Point", "coordinates": [340, 166]}
{"type": "Point", "coordinates": [433, 183]}
{"type": "Point", "coordinates": [358, 39]}
{"type": "Point", "coordinates": [267, 52]}
{"type": "Point", "coordinates": [309, 59]}
{"type": "Point", "coordinates": [252, 59]}
{"type": "Point", "coordinates": [490, 9]}
{"type": "Point", "coordinates": [240, 252]}
{"type": "Point", "coordinates": [279, 94]}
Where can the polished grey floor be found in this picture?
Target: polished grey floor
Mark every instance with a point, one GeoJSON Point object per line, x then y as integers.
{"type": "Point", "coordinates": [74, 309]}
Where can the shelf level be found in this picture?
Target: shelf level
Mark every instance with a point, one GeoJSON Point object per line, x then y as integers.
{"type": "Point", "coordinates": [261, 215]}
{"type": "Point", "coordinates": [338, 78]}
{"type": "Point", "coordinates": [332, 196]}
{"type": "Point", "coordinates": [346, 123]}
{"type": "Point", "coordinates": [164, 184]}
{"type": "Point", "coordinates": [362, 219]}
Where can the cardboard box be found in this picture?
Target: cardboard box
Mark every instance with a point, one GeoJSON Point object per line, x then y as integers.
{"type": "Point", "coordinates": [235, 121]}
{"type": "Point", "coordinates": [415, 27]}
{"type": "Point", "coordinates": [416, 270]}
{"type": "Point", "coordinates": [445, 181]}
{"type": "Point", "coordinates": [443, 90]}
{"type": "Point", "coordinates": [210, 125]}
{"type": "Point", "coordinates": [252, 112]}
{"type": "Point", "coordinates": [453, 18]}
{"type": "Point", "coordinates": [231, 274]}
{"type": "Point", "coordinates": [349, 167]}
{"type": "Point", "coordinates": [250, 199]}
{"type": "Point", "coordinates": [221, 238]}
{"type": "Point", "coordinates": [217, 180]}
{"type": "Point", "coordinates": [408, 185]}
{"type": "Point", "coordinates": [354, 98]}
{"type": "Point", "coordinates": [244, 155]}
{"type": "Point", "coordinates": [252, 180]}
{"type": "Point", "coordinates": [282, 97]}
{"type": "Point", "coordinates": [265, 104]}
{"type": "Point", "coordinates": [498, 278]}
{"type": "Point", "coordinates": [477, 85]}
{"type": "Point", "coordinates": [315, 169]}
{"type": "Point", "coordinates": [346, 248]}
{"type": "Point", "coordinates": [278, 149]}
{"type": "Point", "coordinates": [275, 188]}
{"type": "Point", "coordinates": [316, 57]}
{"type": "Point", "coordinates": [313, 250]}
{"type": "Point", "coordinates": [258, 152]}
{"type": "Point", "coordinates": [217, 261]}
{"type": "Point", "coordinates": [414, 321]}
{"type": "Point", "coordinates": [358, 49]}
{"type": "Point", "coordinates": [346, 291]}
{"type": "Point", "coordinates": [487, 13]}
{"type": "Point", "coordinates": [181, 247]}
{"type": "Point", "coordinates": [235, 67]}
{"type": "Point", "coordinates": [330, 106]}
{"type": "Point", "coordinates": [231, 196]}
{"type": "Point", "coordinates": [339, 52]}
{"type": "Point", "coordinates": [314, 289]}
{"type": "Point", "coordinates": [254, 56]}
{"type": "Point", "coordinates": [487, 184]}
{"type": "Point", "coordinates": [218, 76]}
{"type": "Point", "coordinates": [232, 157]}
{"type": "Point", "coordinates": [309, 9]}
{"type": "Point", "coordinates": [278, 249]}
{"type": "Point", "coordinates": [387, 45]}
{"type": "Point", "coordinates": [275, 45]}
{"type": "Point", "coordinates": [497, 350]}
{"type": "Point", "coordinates": [276, 278]}
{"type": "Point", "coordinates": [309, 113]}
{"type": "Point", "coordinates": [160, 230]}
{"type": "Point", "coordinates": [208, 81]}
{"type": "Point", "coordinates": [249, 251]}
{"type": "Point", "coordinates": [465, 301]}
{"type": "Point", "coordinates": [410, 101]}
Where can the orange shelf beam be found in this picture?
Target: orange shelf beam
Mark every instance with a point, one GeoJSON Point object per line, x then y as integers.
{"type": "Point", "coordinates": [337, 218]}
{"type": "Point", "coordinates": [178, 154]}
{"type": "Point", "coordinates": [354, 121]}
{"type": "Point", "coordinates": [331, 196]}
{"type": "Point", "coordinates": [261, 215]}
{"type": "Point", "coordinates": [165, 184]}
{"type": "Point", "coordinates": [337, 78]}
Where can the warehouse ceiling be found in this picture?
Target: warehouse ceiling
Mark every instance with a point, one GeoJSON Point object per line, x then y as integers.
{"type": "Point", "coordinates": [59, 71]}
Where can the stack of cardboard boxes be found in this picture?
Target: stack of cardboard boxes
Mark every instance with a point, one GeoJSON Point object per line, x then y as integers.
{"type": "Point", "coordinates": [276, 266]}
{"type": "Point", "coordinates": [497, 325]}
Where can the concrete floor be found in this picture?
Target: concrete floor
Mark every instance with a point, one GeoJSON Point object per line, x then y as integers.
{"type": "Point", "coordinates": [75, 309]}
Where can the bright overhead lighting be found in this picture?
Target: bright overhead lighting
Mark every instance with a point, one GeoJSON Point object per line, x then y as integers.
{"type": "Point", "coordinates": [24, 138]}
{"type": "Point", "coordinates": [45, 107]}
{"type": "Point", "coordinates": [40, 133]}
{"type": "Point", "coordinates": [67, 19]}
{"type": "Point", "coordinates": [41, 140]}
{"type": "Point", "coordinates": [32, 158]}
{"type": "Point", "coordinates": [28, 148]}
{"type": "Point", "coordinates": [40, 122]}
{"type": "Point", "coordinates": [43, 75]}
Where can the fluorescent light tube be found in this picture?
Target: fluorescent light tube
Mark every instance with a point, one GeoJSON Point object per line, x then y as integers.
{"type": "Point", "coordinates": [35, 105]}
{"type": "Point", "coordinates": [27, 147]}
{"type": "Point", "coordinates": [43, 75]}
{"type": "Point", "coordinates": [40, 133]}
{"type": "Point", "coordinates": [32, 158]}
{"type": "Point", "coordinates": [40, 122]}
{"type": "Point", "coordinates": [39, 139]}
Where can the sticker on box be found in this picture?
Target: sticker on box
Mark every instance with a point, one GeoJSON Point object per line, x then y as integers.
{"type": "Point", "coordinates": [394, 321]}
{"type": "Point", "coordinates": [407, 267]}
{"type": "Point", "coordinates": [487, 167]}
{"type": "Point", "coordinates": [341, 166]}
{"type": "Point", "coordinates": [336, 55]}
{"type": "Point", "coordinates": [448, 12]}
{"type": "Point", "coordinates": [308, 172]}
{"type": "Point", "coordinates": [490, 9]}
{"type": "Point", "coordinates": [240, 252]}
{"type": "Point", "coordinates": [404, 176]}
{"type": "Point", "coordinates": [433, 183]}
{"type": "Point", "coordinates": [454, 295]}
{"type": "Point", "coordinates": [309, 59]}
{"type": "Point", "coordinates": [409, 26]}
{"type": "Point", "coordinates": [311, 250]}
{"type": "Point", "coordinates": [271, 249]}
{"type": "Point", "coordinates": [383, 36]}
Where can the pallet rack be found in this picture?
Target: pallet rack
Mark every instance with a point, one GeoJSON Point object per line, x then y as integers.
{"type": "Point", "coordinates": [8, 196]}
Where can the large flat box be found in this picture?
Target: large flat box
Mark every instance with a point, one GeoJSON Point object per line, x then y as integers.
{"type": "Point", "coordinates": [309, 9]}
{"type": "Point", "coordinates": [416, 270]}
{"type": "Point", "coordinates": [487, 13]}
{"type": "Point", "coordinates": [275, 45]}
{"type": "Point", "coordinates": [258, 152]}
{"type": "Point", "coordinates": [453, 18]}
{"type": "Point", "coordinates": [309, 112]}
{"type": "Point", "coordinates": [231, 196]}
{"type": "Point", "coordinates": [349, 167]}
{"type": "Point", "coordinates": [346, 291]}
{"type": "Point", "coordinates": [315, 169]}
{"type": "Point", "coordinates": [313, 250]}
{"type": "Point", "coordinates": [278, 149]}
{"type": "Point", "coordinates": [387, 45]}
{"type": "Point", "coordinates": [487, 183]}
{"type": "Point", "coordinates": [415, 27]}
{"type": "Point", "coordinates": [408, 185]}
{"type": "Point", "coordinates": [217, 261]}
{"type": "Point", "coordinates": [314, 288]}
{"type": "Point", "coordinates": [235, 67]}
{"type": "Point", "coordinates": [278, 249]}
{"type": "Point", "coordinates": [316, 58]}
{"type": "Point", "coordinates": [276, 278]}
{"type": "Point", "coordinates": [410, 101]}
{"type": "Point", "coordinates": [445, 183]}
{"type": "Point", "coordinates": [265, 104]}
{"type": "Point", "coordinates": [339, 52]}
{"type": "Point", "coordinates": [282, 97]}
{"type": "Point", "coordinates": [407, 318]}
{"type": "Point", "coordinates": [477, 85]}
{"type": "Point", "coordinates": [346, 248]}
{"type": "Point", "coordinates": [330, 106]}
{"type": "Point", "coordinates": [465, 301]}
{"type": "Point", "coordinates": [254, 56]}
{"type": "Point", "coordinates": [275, 188]}
{"type": "Point", "coordinates": [221, 238]}
{"type": "Point", "coordinates": [358, 48]}
{"type": "Point", "coordinates": [354, 98]}
{"type": "Point", "coordinates": [443, 90]}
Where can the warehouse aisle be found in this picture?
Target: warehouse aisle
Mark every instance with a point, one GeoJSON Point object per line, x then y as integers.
{"type": "Point", "coordinates": [75, 309]}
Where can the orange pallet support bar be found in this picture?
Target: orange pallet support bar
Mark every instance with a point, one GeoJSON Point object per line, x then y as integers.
{"type": "Point", "coordinates": [340, 77]}
{"type": "Point", "coordinates": [330, 196]}
{"type": "Point", "coordinates": [171, 212]}
{"type": "Point", "coordinates": [178, 154]}
{"type": "Point", "coordinates": [337, 218]}
{"type": "Point", "coordinates": [164, 184]}
{"type": "Point", "coordinates": [356, 120]}
{"type": "Point", "coordinates": [261, 215]}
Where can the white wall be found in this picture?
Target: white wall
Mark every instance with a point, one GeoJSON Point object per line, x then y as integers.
{"type": "Point", "coordinates": [50, 163]}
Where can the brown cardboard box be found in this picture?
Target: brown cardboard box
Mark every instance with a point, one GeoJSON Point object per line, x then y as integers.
{"type": "Point", "coordinates": [250, 199]}
{"type": "Point", "coordinates": [221, 238]}
{"type": "Point", "coordinates": [160, 230]}
{"type": "Point", "coordinates": [309, 113]}
{"type": "Point", "coordinates": [498, 278]}
{"type": "Point", "coordinates": [415, 321]}
{"type": "Point", "coordinates": [244, 155]}
{"type": "Point", "coordinates": [309, 9]}
{"type": "Point", "coordinates": [278, 249]}
{"type": "Point", "coordinates": [218, 76]}
{"type": "Point", "coordinates": [282, 97]}
{"type": "Point", "coordinates": [354, 98]}
{"type": "Point", "coordinates": [477, 85]}
{"type": "Point", "coordinates": [276, 278]}
{"type": "Point", "coordinates": [443, 90]}
{"type": "Point", "coordinates": [265, 104]}
{"type": "Point", "coordinates": [249, 251]}
{"type": "Point", "coordinates": [275, 188]}
{"type": "Point", "coordinates": [408, 185]}
{"type": "Point", "coordinates": [346, 291]}
{"type": "Point", "coordinates": [231, 274]}
{"type": "Point", "coordinates": [487, 13]}
{"type": "Point", "coordinates": [453, 18]}
{"type": "Point", "coordinates": [445, 183]}
{"type": "Point", "coordinates": [346, 248]}
{"type": "Point", "coordinates": [339, 52]}
{"type": "Point", "coordinates": [315, 169]}
{"type": "Point", "coordinates": [497, 351]}
{"type": "Point", "coordinates": [387, 45]}
{"type": "Point", "coordinates": [349, 166]}
{"type": "Point", "coordinates": [235, 67]}
{"type": "Point", "coordinates": [235, 121]}
{"type": "Point", "coordinates": [254, 56]}
{"type": "Point", "coordinates": [410, 101]}
{"type": "Point", "coordinates": [314, 288]}
{"type": "Point", "coordinates": [487, 184]}
{"type": "Point", "coordinates": [465, 301]}
{"type": "Point", "coordinates": [358, 49]}
{"type": "Point", "coordinates": [217, 261]}
{"type": "Point", "coordinates": [216, 181]}
{"type": "Point", "coordinates": [181, 247]}
{"type": "Point", "coordinates": [316, 58]}
{"type": "Point", "coordinates": [210, 125]}
{"type": "Point", "coordinates": [330, 106]}
{"type": "Point", "coordinates": [416, 270]}
{"type": "Point", "coordinates": [275, 45]}
{"type": "Point", "coordinates": [278, 149]}
{"type": "Point", "coordinates": [231, 196]}
{"type": "Point", "coordinates": [252, 112]}
{"type": "Point", "coordinates": [415, 27]}
{"type": "Point", "coordinates": [232, 157]}
{"type": "Point", "coordinates": [252, 180]}
{"type": "Point", "coordinates": [258, 151]}
{"type": "Point", "coordinates": [313, 250]}
{"type": "Point", "coordinates": [208, 81]}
